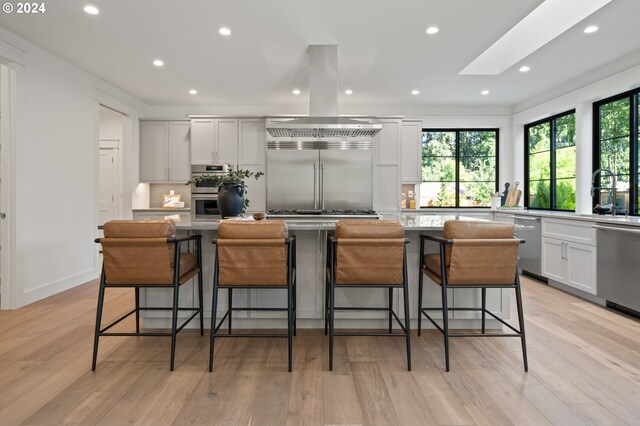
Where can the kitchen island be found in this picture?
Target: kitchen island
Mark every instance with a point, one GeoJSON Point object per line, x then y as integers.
{"type": "Point", "coordinates": [311, 236]}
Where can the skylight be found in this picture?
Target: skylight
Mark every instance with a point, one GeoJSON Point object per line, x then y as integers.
{"type": "Point", "coordinates": [543, 24]}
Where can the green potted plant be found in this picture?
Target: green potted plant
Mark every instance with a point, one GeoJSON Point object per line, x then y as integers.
{"type": "Point", "coordinates": [232, 200]}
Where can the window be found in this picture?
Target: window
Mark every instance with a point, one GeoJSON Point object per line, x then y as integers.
{"type": "Point", "coordinates": [615, 147]}
{"type": "Point", "coordinates": [550, 163]}
{"type": "Point", "coordinates": [459, 167]}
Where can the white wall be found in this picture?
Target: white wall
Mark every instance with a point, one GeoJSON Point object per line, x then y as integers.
{"type": "Point", "coordinates": [111, 124]}
{"type": "Point", "coordinates": [582, 101]}
{"type": "Point", "coordinates": [56, 142]}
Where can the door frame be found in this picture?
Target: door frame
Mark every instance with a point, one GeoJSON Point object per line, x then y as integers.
{"type": "Point", "coordinates": [9, 294]}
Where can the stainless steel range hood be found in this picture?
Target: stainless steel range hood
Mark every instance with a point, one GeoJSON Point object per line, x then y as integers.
{"type": "Point", "coordinates": [323, 122]}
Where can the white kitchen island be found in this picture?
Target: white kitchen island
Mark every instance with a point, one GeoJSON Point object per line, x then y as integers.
{"type": "Point", "coordinates": [311, 236]}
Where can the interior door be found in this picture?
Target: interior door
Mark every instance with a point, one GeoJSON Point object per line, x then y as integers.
{"type": "Point", "coordinates": [292, 179]}
{"type": "Point", "coordinates": [347, 179]}
{"type": "Point", "coordinates": [108, 185]}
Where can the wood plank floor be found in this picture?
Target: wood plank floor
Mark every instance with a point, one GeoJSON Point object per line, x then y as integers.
{"type": "Point", "coordinates": [584, 369]}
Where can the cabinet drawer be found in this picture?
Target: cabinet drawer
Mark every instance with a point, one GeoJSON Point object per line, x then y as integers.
{"type": "Point", "coordinates": [569, 230]}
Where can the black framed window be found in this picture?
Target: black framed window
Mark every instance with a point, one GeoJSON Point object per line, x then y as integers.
{"type": "Point", "coordinates": [550, 163]}
{"type": "Point", "coordinates": [615, 147]}
{"type": "Point", "coordinates": [459, 167]}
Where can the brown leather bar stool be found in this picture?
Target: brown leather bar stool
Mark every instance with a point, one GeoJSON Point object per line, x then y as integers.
{"type": "Point", "coordinates": [258, 255]}
{"type": "Point", "coordinates": [477, 255]}
{"type": "Point", "coordinates": [367, 254]}
{"type": "Point", "coordinates": [147, 254]}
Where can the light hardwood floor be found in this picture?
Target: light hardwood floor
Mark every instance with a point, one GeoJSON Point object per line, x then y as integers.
{"type": "Point", "coordinates": [584, 369]}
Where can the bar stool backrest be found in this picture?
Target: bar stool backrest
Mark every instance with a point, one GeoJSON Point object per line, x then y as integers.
{"type": "Point", "coordinates": [481, 253]}
{"type": "Point", "coordinates": [137, 252]}
{"type": "Point", "coordinates": [369, 252]}
{"type": "Point", "coordinates": [252, 252]}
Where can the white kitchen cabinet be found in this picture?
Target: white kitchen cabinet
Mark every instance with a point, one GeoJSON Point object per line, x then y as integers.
{"type": "Point", "coordinates": [164, 151]}
{"type": "Point", "coordinates": [252, 156]}
{"type": "Point", "coordinates": [179, 161]}
{"type": "Point", "coordinates": [564, 259]}
{"type": "Point", "coordinates": [411, 151]}
{"type": "Point", "coordinates": [214, 141]}
{"type": "Point", "coordinates": [386, 170]}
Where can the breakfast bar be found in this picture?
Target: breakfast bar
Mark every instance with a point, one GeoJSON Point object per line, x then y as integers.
{"type": "Point", "coordinates": [311, 239]}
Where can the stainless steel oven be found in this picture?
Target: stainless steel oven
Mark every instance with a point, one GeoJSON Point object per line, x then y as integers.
{"type": "Point", "coordinates": [205, 187]}
{"type": "Point", "coordinates": [204, 207]}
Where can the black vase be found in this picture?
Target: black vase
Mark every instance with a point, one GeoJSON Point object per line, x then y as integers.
{"type": "Point", "coordinates": [231, 199]}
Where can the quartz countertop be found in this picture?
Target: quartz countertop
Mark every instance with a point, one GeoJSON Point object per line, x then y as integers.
{"type": "Point", "coordinates": [427, 222]}
{"type": "Point", "coordinates": [589, 217]}
{"type": "Point", "coordinates": [163, 209]}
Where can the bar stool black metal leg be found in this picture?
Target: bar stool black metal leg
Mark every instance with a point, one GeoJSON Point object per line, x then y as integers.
{"type": "Point", "coordinates": [445, 323]}
{"type": "Point", "coordinates": [96, 336]}
{"type": "Point", "coordinates": [521, 321]}
{"type": "Point", "coordinates": [420, 289]}
{"type": "Point", "coordinates": [290, 324]}
{"type": "Point", "coordinates": [295, 308]}
{"type": "Point", "coordinates": [390, 309]}
{"type": "Point", "coordinates": [200, 297]}
{"type": "Point", "coordinates": [332, 291]}
{"type": "Point", "coordinates": [407, 323]}
{"type": "Point", "coordinates": [214, 314]}
{"type": "Point", "coordinates": [137, 309]}
{"type": "Point", "coordinates": [484, 307]}
{"type": "Point", "coordinates": [174, 322]}
{"type": "Point", "coordinates": [326, 306]}
{"type": "Point", "coordinates": [230, 307]}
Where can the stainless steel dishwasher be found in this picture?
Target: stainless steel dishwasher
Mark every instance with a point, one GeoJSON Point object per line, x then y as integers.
{"type": "Point", "coordinates": [528, 229]}
{"type": "Point", "coordinates": [618, 266]}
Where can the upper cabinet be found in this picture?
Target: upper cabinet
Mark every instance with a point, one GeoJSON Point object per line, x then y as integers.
{"type": "Point", "coordinates": [164, 151]}
{"type": "Point", "coordinates": [214, 141]}
{"type": "Point", "coordinates": [411, 151]}
{"type": "Point", "coordinates": [386, 162]}
{"type": "Point", "coordinates": [252, 156]}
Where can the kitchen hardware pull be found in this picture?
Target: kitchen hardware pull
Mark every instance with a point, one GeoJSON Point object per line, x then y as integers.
{"type": "Point", "coordinates": [564, 251]}
{"type": "Point", "coordinates": [611, 228]}
{"type": "Point", "coordinates": [315, 185]}
{"type": "Point", "coordinates": [322, 184]}
{"type": "Point", "coordinates": [534, 219]}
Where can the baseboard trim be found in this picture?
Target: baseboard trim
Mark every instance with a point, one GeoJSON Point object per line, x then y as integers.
{"type": "Point", "coordinates": [49, 289]}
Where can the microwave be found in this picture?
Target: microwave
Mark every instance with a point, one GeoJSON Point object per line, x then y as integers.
{"type": "Point", "coordinates": [204, 207]}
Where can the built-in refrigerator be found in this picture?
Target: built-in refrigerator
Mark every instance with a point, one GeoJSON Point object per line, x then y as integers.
{"type": "Point", "coordinates": [316, 179]}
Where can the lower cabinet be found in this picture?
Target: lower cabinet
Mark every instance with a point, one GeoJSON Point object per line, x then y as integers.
{"type": "Point", "coordinates": [569, 263]}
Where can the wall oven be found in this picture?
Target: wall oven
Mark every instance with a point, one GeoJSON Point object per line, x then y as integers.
{"type": "Point", "coordinates": [205, 207]}
{"type": "Point", "coordinates": [198, 170]}
{"type": "Point", "coordinates": [204, 195]}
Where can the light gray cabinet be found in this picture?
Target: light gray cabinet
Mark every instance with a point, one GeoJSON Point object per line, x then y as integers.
{"type": "Point", "coordinates": [386, 170]}
{"type": "Point", "coordinates": [164, 151]}
{"type": "Point", "coordinates": [252, 157]}
{"type": "Point", "coordinates": [214, 141]}
{"type": "Point", "coordinates": [411, 151]}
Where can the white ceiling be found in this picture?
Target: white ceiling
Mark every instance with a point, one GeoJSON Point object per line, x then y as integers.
{"type": "Point", "coordinates": [383, 51]}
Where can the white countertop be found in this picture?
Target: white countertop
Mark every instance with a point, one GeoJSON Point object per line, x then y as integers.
{"type": "Point", "coordinates": [622, 220]}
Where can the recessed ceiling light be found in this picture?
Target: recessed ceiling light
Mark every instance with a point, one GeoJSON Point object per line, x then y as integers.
{"type": "Point", "coordinates": [415, 92]}
{"type": "Point", "coordinates": [225, 31]}
{"type": "Point", "coordinates": [432, 30]}
{"type": "Point", "coordinates": [484, 92]}
{"type": "Point", "coordinates": [91, 10]}
{"type": "Point", "coordinates": [348, 92]}
{"type": "Point", "coordinates": [158, 63]}
{"type": "Point", "coordinates": [193, 92]}
{"type": "Point", "coordinates": [591, 29]}
{"type": "Point", "coordinates": [296, 91]}
{"type": "Point", "coordinates": [524, 68]}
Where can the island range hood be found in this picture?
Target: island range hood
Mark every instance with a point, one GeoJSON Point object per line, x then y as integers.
{"type": "Point", "coordinates": [323, 122]}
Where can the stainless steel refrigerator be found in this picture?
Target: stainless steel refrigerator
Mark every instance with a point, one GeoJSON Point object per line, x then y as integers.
{"type": "Point", "coordinates": [325, 178]}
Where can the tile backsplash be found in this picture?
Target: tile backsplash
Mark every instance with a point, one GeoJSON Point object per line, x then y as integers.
{"type": "Point", "coordinates": [157, 190]}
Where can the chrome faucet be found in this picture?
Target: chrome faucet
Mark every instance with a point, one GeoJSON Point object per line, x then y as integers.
{"type": "Point", "coordinates": [612, 188]}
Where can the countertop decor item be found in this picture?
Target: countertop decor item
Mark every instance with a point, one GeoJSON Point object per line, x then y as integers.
{"type": "Point", "coordinates": [259, 215]}
{"type": "Point", "coordinates": [172, 201]}
{"type": "Point", "coordinates": [232, 199]}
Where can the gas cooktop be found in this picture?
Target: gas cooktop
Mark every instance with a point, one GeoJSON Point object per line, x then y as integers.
{"type": "Point", "coordinates": [317, 213]}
